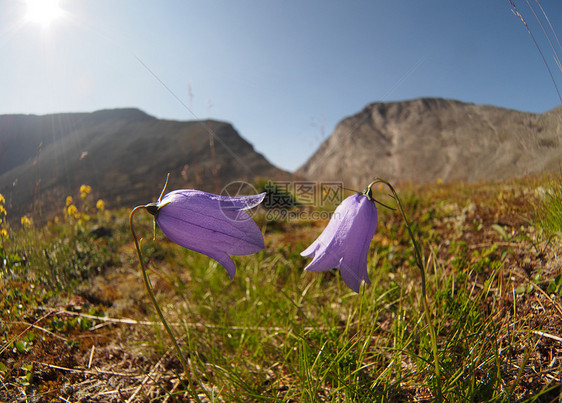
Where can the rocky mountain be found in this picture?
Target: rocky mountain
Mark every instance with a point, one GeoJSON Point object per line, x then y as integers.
{"type": "Point", "coordinates": [429, 139]}
{"type": "Point", "coordinates": [123, 154]}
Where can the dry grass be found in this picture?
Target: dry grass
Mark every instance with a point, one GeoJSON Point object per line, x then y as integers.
{"type": "Point", "coordinates": [278, 334]}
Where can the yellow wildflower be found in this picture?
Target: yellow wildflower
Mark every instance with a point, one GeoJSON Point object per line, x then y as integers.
{"type": "Point", "coordinates": [439, 181]}
{"type": "Point", "coordinates": [69, 200]}
{"type": "Point", "coordinates": [26, 222]}
{"type": "Point", "coordinates": [100, 205]}
{"type": "Point", "coordinates": [71, 210]}
{"type": "Point", "coordinates": [3, 234]}
{"type": "Point", "coordinates": [84, 191]}
{"type": "Point", "coordinates": [2, 210]}
{"type": "Point", "coordinates": [2, 200]}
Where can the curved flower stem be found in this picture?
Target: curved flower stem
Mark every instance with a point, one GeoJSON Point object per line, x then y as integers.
{"type": "Point", "coordinates": [157, 307]}
{"type": "Point", "coordinates": [421, 267]}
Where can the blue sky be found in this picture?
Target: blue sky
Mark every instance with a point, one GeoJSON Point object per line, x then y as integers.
{"type": "Point", "coordinates": [284, 73]}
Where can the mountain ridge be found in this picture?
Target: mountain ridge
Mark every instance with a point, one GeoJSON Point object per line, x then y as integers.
{"type": "Point", "coordinates": [123, 154]}
{"type": "Point", "coordinates": [434, 139]}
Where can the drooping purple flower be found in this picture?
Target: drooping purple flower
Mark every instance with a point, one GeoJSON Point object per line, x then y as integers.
{"type": "Point", "coordinates": [344, 243]}
{"type": "Point", "coordinates": [214, 225]}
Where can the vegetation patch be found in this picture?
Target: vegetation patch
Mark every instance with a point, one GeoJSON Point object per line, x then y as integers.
{"type": "Point", "coordinates": [77, 324]}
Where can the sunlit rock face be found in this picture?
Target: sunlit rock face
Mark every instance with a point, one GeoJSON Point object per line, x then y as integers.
{"type": "Point", "coordinates": [431, 139]}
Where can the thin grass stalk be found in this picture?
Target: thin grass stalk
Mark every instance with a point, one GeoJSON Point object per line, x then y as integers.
{"type": "Point", "coordinates": [520, 16]}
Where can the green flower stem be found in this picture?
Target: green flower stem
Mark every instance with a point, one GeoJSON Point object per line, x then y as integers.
{"type": "Point", "coordinates": [421, 267]}
{"type": "Point", "coordinates": [157, 307]}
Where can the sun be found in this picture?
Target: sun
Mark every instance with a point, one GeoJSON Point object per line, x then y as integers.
{"type": "Point", "coordinates": [42, 12]}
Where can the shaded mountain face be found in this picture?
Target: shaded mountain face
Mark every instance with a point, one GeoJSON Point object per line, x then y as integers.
{"type": "Point", "coordinates": [430, 139]}
{"type": "Point", "coordinates": [123, 154]}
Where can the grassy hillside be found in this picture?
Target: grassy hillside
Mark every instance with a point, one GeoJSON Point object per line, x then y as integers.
{"type": "Point", "coordinates": [76, 322]}
{"type": "Point", "coordinates": [124, 154]}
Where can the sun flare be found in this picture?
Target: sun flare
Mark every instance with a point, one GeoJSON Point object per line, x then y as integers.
{"type": "Point", "coordinates": [42, 12]}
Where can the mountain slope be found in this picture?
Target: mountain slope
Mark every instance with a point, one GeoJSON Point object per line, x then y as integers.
{"type": "Point", "coordinates": [123, 154]}
{"type": "Point", "coordinates": [428, 139]}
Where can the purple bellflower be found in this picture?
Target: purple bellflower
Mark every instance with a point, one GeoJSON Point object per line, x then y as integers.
{"type": "Point", "coordinates": [216, 226]}
{"type": "Point", "coordinates": [344, 243]}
